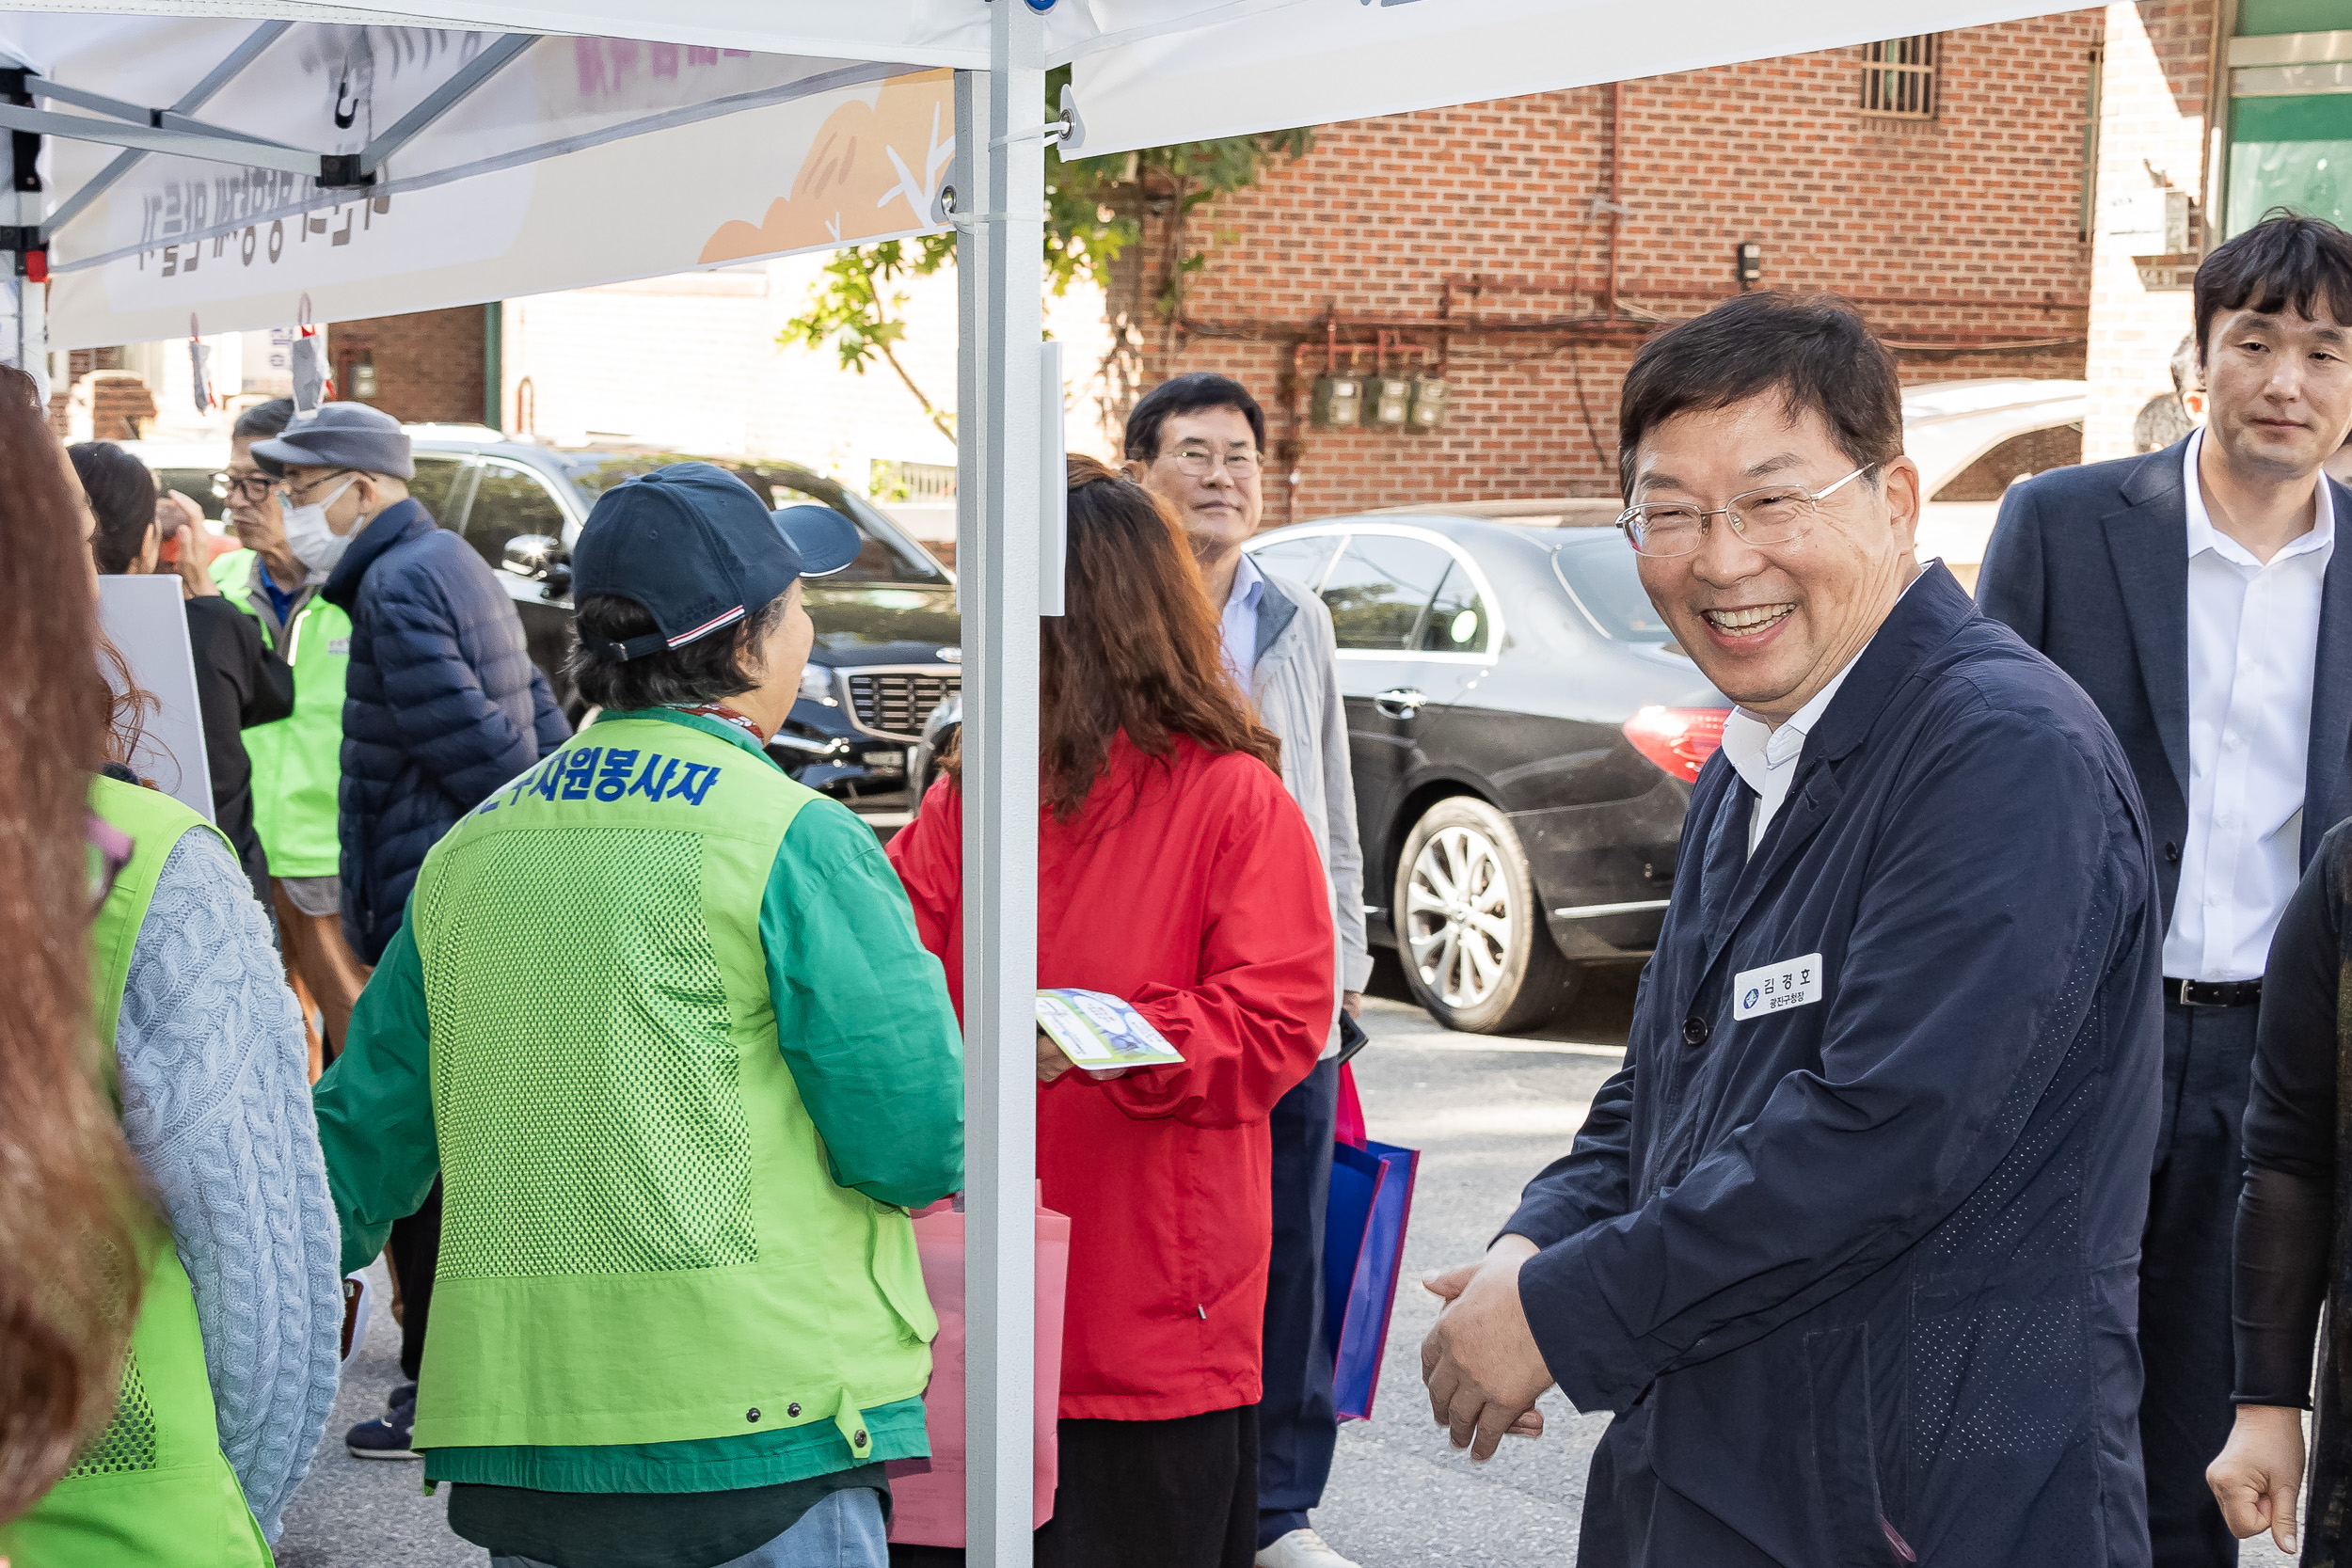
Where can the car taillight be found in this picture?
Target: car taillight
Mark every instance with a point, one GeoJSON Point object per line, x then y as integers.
{"type": "Point", "coordinates": [1679, 740]}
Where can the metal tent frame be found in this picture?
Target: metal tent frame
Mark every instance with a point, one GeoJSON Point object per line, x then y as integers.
{"type": "Point", "coordinates": [1008, 481]}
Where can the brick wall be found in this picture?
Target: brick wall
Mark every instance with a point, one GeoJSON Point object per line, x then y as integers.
{"type": "Point", "coordinates": [1959, 236]}
{"type": "Point", "coordinates": [428, 366]}
{"type": "Point", "coordinates": [2151, 122]}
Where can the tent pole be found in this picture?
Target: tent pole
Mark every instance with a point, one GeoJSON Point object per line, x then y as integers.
{"type": "Point", "coordinates": [1001, 152]}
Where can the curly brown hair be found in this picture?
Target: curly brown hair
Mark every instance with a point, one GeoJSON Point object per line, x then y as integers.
{"type": "Point", "coordinates": [71, 1196]}
{"type": "Point", "coordinates": [1136, 651]}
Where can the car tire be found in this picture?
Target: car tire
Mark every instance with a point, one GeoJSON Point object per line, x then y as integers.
{"type": "Point", "coordinates": [1469, 928]}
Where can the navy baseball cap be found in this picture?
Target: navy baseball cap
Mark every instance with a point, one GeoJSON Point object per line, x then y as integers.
{"type": "Point", "coordinates": [694, 545]}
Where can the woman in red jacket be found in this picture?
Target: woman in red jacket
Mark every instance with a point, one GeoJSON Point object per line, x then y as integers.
{"type": "Point", "coordinates": [1173, 870]}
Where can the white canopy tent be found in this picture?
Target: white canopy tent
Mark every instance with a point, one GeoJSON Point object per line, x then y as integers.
{"type": "Point", "coordinates": [221, 165]}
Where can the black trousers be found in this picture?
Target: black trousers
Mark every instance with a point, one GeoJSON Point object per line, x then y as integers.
{"type": "Point", "coordinates": [413, 1252]}
{"type": "Point", "coordinates": [1180, 1494]}
{"type": "Point", "coordinates": [2185, 1413]}
{"type": "Point", "coordinates": [1297, 1425]}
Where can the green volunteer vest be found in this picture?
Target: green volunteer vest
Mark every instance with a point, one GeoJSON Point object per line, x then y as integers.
{"type": "Point", "coordinates": [298, 760]}
{"type": "Point", "coordinates": [641, 1242]}
{"type": "Point", "coordinates": [154, 1490]}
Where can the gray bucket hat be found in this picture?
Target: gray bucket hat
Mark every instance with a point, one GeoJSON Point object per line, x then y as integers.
{"type": "Point", "coordinates": [343, 436]}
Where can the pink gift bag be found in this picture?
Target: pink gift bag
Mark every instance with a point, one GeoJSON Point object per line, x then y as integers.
{"type": "Point", "coordinates": [927, 1495]}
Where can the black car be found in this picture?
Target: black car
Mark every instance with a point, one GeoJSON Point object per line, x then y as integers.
{"type": "Point", "coordinates": [1523, 733]}
{"type": "Point", "coordinates": [887, 629]}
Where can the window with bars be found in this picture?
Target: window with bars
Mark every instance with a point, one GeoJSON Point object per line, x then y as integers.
{"type": "Point", "coordinates": [1898, 77]}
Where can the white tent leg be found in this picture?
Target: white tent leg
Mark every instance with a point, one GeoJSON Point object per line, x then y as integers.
{"type": "Point", "coordinates": [28, 350]}
{"type": "Point", "coordinates": [1001, 181]}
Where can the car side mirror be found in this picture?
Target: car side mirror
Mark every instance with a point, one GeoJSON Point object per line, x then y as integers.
{"type": "Point", "coordinates": [538, 557]}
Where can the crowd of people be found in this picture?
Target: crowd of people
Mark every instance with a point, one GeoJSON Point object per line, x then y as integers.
{"type": "Point", "coordinates": [1970, 1193]}
{"type": "Point", "coordinates": [630, 1053]}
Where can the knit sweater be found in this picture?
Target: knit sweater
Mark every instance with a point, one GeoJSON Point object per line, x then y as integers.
{"type": "Point", "coordinates": [217, 1110]}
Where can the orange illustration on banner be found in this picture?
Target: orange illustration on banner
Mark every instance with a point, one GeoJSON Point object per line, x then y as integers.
{"type": "Point", "coordinates": [871, 170]}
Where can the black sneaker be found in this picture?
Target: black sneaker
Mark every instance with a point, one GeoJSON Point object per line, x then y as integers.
{"type": "Point", "coordinates": [385, 1438]}
{"type": "Point", "coordinates": [403, 1397]}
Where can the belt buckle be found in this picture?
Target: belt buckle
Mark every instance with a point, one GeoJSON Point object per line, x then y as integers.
{"type": "Point", "coordinates": [2189, 997]}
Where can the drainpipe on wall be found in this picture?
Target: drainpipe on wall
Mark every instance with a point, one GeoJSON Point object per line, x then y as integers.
{"type": "Point", "coordinates": [494, 364]}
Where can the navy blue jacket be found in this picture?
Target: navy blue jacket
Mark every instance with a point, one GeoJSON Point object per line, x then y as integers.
{"type": "Point", "coordinates": [442, 705]}
{"type": "Point", "coordinates": [1859, 1278]}
{"type": "Point", "coordinates": [2089, 565]}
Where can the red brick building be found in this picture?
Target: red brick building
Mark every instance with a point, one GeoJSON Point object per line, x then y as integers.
{"type": "Point", "coordinates": [1522, 250]}
{"type": "Point", "coordinates": [431, 366]}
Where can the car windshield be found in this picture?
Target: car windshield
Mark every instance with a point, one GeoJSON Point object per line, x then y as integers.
{"type": "Point", "coordinates": [887, 556]}
{"type": "Point", "coordinates": [1598, 569]}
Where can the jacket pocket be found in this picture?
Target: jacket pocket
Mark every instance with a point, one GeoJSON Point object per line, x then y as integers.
{"type": "Point", "coordinates": [1853, 1524]}
{"type": "Point", "coordinates": [895, 1264]}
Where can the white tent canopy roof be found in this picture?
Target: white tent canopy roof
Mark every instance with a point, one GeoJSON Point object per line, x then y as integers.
{"type": "Point", "coordinates": [518, 147]}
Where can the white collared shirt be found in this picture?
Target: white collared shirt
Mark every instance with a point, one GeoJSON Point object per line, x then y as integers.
{"type": "Point", "coordinates": [2253, 641]}
{"type": "Point", "coordinates": [1238, 623]}
{"type": "Point", "coordinates": [1766, 758]}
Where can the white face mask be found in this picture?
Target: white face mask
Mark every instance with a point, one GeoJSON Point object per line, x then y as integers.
{"type": "Point", "coordinates": [316, 545]}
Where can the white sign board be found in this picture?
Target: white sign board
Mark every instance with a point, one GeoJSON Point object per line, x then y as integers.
{"type": "Point", "coordinates": [148, 623]}
{"type": "Point", "coordinates": [2151, 221]}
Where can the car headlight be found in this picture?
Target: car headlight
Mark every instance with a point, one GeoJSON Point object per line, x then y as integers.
{"type": "Point", "coordinates": [817, 684]}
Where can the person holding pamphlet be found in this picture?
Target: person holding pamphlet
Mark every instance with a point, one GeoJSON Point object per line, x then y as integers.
{"type": "Point", "coordinates": [1183, 912]}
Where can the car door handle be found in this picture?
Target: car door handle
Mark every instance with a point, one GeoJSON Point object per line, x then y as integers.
{"type": "Point", "coordinates": [1401, 701]}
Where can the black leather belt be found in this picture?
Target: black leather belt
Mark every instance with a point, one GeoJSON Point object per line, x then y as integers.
{"type": "Point", "coordinates": [2212, 993]}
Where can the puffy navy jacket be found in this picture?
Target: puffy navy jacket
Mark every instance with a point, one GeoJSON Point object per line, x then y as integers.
{"type": "Point", "coordinates": [442, 707]}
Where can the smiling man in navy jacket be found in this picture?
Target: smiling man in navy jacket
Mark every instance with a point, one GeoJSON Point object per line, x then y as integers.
{"type": "Point", "coordinates": [1849, 1244]}
{"type": "Point", "coordinates": [2196, 595]}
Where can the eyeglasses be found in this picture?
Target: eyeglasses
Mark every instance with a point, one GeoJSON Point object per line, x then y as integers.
{"type": "Point", "coordinates": [294, 492]}
{"type": "Point", "coordinates": [1772, 515]}
{"type": "Point", "coordinates": [251, 488]}
{"type": "Point", "coordinates": [1199, 462]}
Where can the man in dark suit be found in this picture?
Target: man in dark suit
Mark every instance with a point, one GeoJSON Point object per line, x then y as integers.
{"type": "Point", "coordinates": [2196, 595]}
{"type": "Point", "coordinates": [1849, 1244]}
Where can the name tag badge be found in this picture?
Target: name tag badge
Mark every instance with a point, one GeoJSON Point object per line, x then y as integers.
{"type": "Point", "coordinates": [1776, 988]}
{"type": "Point", "coordinates": [339, 646]}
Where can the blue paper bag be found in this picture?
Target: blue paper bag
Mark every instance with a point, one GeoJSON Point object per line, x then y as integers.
{"type": "Point", "coordinates": [1363, 1247]}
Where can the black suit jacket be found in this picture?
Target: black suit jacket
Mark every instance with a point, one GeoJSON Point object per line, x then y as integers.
{"type": "Point", "coordinates": [2090, 565]}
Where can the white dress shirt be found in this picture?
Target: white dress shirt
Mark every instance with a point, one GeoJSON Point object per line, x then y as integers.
{"type": "Point", "coordinates": [1766, 758]}
{"type": "Point", "coordinates": [2254, 640]}
{"type": "Point", "coordinates": [1238, 623]}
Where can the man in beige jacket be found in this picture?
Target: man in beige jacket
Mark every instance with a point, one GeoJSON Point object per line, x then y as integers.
{"type": "Point", "coordinates": [1198, 442]}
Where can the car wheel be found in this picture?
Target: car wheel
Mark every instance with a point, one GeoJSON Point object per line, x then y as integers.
{"type": "Point", "coordinates": [1469, 926]}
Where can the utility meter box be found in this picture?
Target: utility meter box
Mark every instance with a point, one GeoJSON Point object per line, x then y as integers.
{"type": "Point", "coordinates": [2148, 222]}
{"type": "Point", "coordinates": [1387, 399]}
{"type": "Point", "coordinates": [1339, 401]}
{"type": "Point", "coordinates": [1426, 408]}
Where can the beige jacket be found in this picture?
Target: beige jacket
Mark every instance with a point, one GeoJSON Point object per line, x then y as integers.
{"type": "Point", "coordinates": [1296, 684]}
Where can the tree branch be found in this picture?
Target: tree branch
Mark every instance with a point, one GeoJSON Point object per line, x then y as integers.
{"type": "Point", "coordinates": [939, 420]}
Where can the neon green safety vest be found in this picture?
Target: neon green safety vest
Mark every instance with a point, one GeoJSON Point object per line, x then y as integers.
{"type": "Point", "coordinates": [298, 760]}
{"type": "Point", "coordinates": [641, 1242]}
{"type": "Point", "coordinates": [154, 1491]}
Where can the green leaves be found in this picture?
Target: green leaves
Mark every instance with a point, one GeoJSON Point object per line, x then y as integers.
{"type": "Point", "coordinates": [1095, 212]}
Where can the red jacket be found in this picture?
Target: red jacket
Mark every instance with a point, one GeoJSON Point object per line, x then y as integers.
{"type": "Point", "coordinates": [1192, 888]}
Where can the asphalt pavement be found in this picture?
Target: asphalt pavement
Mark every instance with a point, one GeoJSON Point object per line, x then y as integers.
{"type": "Point", "coordinates": [1485, 1113]}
